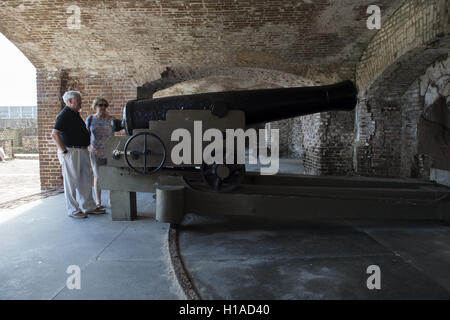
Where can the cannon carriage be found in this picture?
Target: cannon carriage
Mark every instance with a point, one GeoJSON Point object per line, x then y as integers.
{"type": "Point", "coordinates": [143, 161]}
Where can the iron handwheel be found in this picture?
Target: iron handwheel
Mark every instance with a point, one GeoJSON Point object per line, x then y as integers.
{"type": "Point", "coordinates": [145, 152]}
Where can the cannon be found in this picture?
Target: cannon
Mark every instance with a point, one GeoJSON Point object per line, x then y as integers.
{"type": "Point", "coordinates": [145, 159]}
{"type": "Point", "coordinates": [259, 106]}
{"type": "Point", "coordinates": [151, 123]}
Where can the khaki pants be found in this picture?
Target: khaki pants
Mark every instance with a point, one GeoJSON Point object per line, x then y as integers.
{"type": "Point", "coordinates": [76, 170]}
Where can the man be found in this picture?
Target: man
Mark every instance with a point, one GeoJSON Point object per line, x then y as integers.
{"type": "Point", "coordinates": [72, 139]}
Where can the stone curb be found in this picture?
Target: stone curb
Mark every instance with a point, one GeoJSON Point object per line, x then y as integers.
{"type": "Point", "coordinates": [184, 280]}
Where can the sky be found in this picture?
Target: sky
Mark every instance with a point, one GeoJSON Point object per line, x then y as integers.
{"type": "Point", "coordinates": [17, 76]}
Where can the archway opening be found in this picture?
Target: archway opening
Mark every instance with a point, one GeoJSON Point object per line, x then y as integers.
{"type": "Point", "coordinates": [18, 125]}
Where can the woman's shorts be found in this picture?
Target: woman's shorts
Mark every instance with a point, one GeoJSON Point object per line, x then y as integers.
{"type": "Point", "coordinates": [96, 162]}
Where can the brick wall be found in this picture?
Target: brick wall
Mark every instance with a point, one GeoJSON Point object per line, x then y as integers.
{"type": "Point", "coordinates": [51, 86]}
{"type": "Point", "coordinates": [30, 144]}
{"type": "Point", "coordinates": [117, 91]}
{"type": "Point", "coordinates": [377, 149]}
{"type": "Point", "coordinates": [309, 150]}
{"type": "Point", "coordinates": [412, 109]}
{"type": "Point", "coordinates": [337, 142]}
{"type": "Point", "coordinates": [18, 130]}
{"type": "Point", "coordinates": [48, 107]}
{"type": "Point", "coordinates": [326, 143]}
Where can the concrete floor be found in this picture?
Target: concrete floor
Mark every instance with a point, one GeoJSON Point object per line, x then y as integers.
{"type": "Point", "coordinates": [118, 260]}
{"type": "Point", "coordinates": [226, 257]}
{"type": "Point", "coordinates": [249, 258]}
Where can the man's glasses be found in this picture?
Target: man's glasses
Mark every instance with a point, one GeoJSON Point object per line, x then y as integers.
{"type": "Point", "coordinates": [102, 105]}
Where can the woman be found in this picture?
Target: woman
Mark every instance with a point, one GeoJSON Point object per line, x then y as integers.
{"type": "Point", "coordinates": [99, 126]}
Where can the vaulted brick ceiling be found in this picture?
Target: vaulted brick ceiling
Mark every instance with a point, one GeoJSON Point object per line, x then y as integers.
{"type": "Point", "coordinates": [304, 37]}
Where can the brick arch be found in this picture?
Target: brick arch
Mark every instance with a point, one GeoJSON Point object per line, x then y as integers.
{"type": "Point", "coordinates": [173, 76]}
{"type": "Point", "coordinates": [415, 36]}
{"type": "Point", "coordinates": [411, 40]}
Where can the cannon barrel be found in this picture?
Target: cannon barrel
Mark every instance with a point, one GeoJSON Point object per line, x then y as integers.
{"type": "Point", "coordinates": [259, 106]}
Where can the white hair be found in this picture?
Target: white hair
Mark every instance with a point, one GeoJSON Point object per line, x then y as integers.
{"type": "Point", "coordinates": [69, 95]}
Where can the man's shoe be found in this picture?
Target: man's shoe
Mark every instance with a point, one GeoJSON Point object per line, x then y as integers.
{"type": "Point", "coordinates": [78, 215]}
